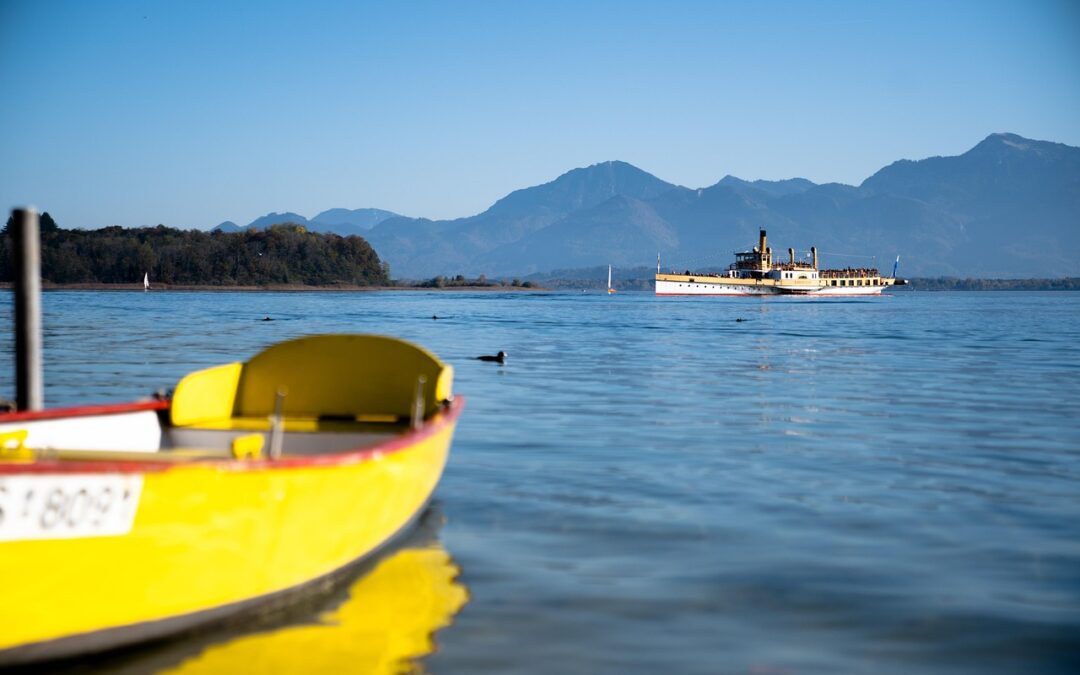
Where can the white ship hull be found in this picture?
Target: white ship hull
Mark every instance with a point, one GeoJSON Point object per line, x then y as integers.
{"type": "Point", "coordinates": [718, 287]}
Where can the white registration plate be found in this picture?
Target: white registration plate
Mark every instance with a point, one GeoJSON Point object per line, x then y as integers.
{"type": "Point", "coordinates": [54, 506]}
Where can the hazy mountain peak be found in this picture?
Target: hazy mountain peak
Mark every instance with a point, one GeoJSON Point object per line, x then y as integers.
{"type": "Point", "coordinates": [364, 219]}
{"type": "Point", "coordinates": [1002, 141]}
{"type": "Point", "coordinates": [1002, 145]}
{"type": "Point", "coordinates": [1009, 139]}
{"type": "Point", "coordinates": [584, 187]}
{"type": "Point", "coordinates": [775, 188]}
{"type": "Point", "coordinates": [999, 155]}
{"type": "Point", "coordinates": [615, 171]}
{"type": "Point", "coordinates": [733, 181]}
{"type": "Point", "coordinates": [275, 218]}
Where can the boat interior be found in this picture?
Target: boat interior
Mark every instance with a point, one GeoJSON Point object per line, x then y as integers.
{"type": "Point", "coordinates": [310, 396]}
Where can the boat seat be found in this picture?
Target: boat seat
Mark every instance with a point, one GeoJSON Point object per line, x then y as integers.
{"type": "Point", "coordinates": [323, 376]}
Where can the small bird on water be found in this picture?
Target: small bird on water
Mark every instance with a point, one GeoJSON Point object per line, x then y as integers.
{"type": "Point", "coordinates": [498, 358]}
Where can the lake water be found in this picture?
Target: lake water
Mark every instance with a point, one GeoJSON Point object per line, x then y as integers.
{"type": "Point", "coordinates": [650, 485]}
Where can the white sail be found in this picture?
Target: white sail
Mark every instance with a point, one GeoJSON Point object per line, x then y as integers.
{"type": "Point", "coordinates": [609, 277]}
{"type": "Point", "coordinates": [146, 281]}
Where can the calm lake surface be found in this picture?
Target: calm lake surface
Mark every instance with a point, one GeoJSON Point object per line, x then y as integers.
{"type": "Point", "coordinates": [651, 485]}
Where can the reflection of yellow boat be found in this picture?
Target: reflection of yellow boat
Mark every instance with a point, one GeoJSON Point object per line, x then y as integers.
{"type": "Point", "coordinates": [387, 620]}
{"type": "Point", "coordinates": [123, 523]}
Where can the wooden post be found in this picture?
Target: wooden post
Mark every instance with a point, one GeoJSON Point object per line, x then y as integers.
{"type": "Point", "coordinates": [28, 385]}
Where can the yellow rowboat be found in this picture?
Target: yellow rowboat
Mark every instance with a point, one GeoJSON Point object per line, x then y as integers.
{"type": "Point", "coordinates": [130, 522]}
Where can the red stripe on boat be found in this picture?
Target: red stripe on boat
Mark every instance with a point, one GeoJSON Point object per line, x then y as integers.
{"type": "Point", "coordinates": [83, 411]}
{"type": "Point", "coordinates": [440, 422]}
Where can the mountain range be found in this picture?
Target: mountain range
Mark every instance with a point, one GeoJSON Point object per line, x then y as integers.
{"type": "Point", "coordinates": [339, 221]}
{"type": "Point", "coordinates": [1009, 207]}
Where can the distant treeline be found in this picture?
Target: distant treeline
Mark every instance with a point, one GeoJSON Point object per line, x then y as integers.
{"type": "Point", "coordinates": [623, 279]}
{"type": "Point", "coordinates": [584, 284]}
{"type": "Point", "coordinates": [953, 284]}
{"type": "Point", "coordinates": [461, 282]}
{"type": "Point", "coordinates": [281, 254]}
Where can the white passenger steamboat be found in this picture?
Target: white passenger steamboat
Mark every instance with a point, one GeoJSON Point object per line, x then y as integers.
{"type": "Point", "coordinates": [756, 273]}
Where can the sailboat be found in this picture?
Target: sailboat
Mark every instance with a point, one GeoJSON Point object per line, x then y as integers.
{"type": "Point", "coordinates": [146, 282]}
{"type": "Point", "coordinates": [610, 290]}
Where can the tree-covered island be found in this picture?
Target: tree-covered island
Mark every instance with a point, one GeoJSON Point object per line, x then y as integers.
{"type": "Point", "coordinates": [284, 254]}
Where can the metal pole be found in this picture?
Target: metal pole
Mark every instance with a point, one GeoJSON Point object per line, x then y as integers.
{"type": "Point", "coordinates": [28, 383]}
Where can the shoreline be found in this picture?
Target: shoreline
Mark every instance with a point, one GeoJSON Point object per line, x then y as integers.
{"type": "Point", "coordinates": [273, 288]}
{"type": "Point", "coordinates": [914, 285]}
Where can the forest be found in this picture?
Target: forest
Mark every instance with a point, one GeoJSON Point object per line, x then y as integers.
{"type": "Point", "coordinates": [955, 284]}
{"type": "Point", "coordinates": [281, 254]}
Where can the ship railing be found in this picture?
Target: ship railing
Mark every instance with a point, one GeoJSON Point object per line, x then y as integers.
{"type": "Point", "coordinates": [849, 273]}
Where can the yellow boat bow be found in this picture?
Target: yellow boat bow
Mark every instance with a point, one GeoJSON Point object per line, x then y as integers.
{"type": "Point", "coordinates": [129, 522]}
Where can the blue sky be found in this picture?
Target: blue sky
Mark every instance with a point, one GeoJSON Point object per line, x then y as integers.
{"type": "Point", "coordinates": [191, 113]}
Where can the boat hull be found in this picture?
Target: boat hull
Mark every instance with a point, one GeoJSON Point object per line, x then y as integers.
{"type": "Point", "coordinates": [678, 285]}
{"type": "Point", "coordinates": [208, 539]}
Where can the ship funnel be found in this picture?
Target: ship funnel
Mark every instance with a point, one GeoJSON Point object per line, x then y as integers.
{"type": "Point", "coordinates": [761, 243]}
{"type": "Point", "coordinates": [791, 254]}
{"type": "Point", "coordinates": [813, 252]}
